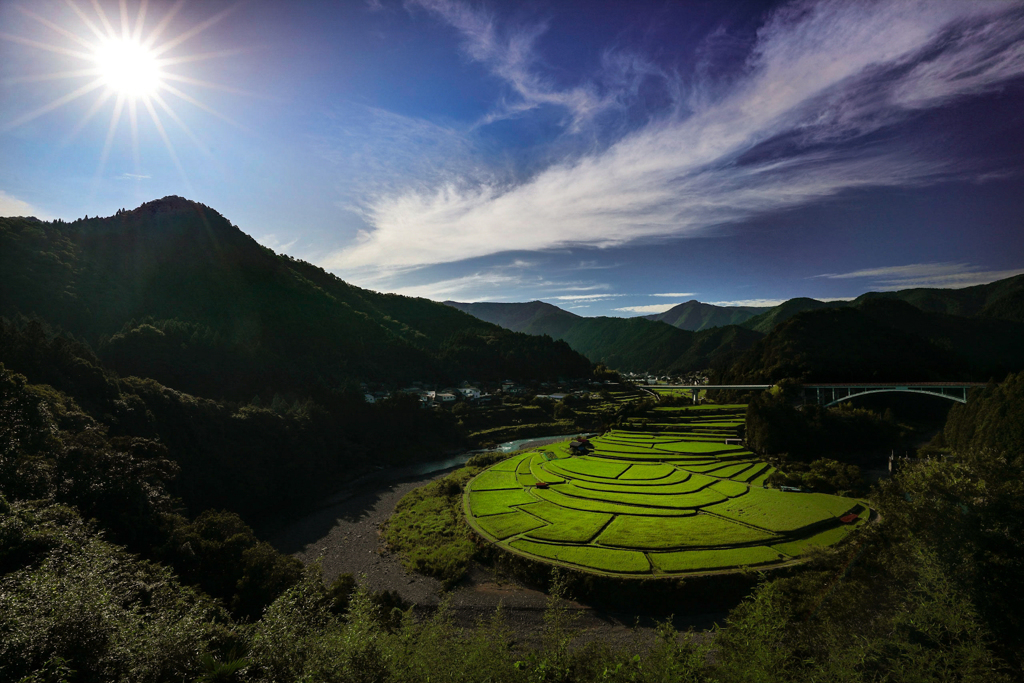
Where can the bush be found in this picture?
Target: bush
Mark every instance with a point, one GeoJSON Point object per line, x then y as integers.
{"type": "Point", "coordinates": [429, 529]}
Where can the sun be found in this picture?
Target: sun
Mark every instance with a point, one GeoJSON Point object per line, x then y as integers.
{"type": "Point", "coordinates": [128, 68]}
{"type": "Point", "coordinates": [132, 68]}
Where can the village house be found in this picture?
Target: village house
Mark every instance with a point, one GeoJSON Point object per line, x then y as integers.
{"type": "Point", "coordinates": [470, 392]}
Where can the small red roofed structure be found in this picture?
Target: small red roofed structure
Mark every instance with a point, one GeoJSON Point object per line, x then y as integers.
{"type": "Point", "coordinates": [542, 484]}
{"type": "Point", "coordinates": [849, 518]}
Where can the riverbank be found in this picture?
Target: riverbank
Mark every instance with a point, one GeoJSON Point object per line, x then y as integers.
{"type": "Point", "coordinates": [344, 536]}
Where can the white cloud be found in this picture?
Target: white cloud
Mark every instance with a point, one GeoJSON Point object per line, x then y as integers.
{"type": "Point", "coordinates": [468, 285]}
{"type": "Point", "coordinates": [652, 308]}
{"type": "Point", "coordinates": [822, 72]}
{"type": "Point", "coordinates": [499, 283]}
{"type": "Point", "coordinates": [380, 153]}
{"type": "Point", "coordinates": [12, 206]}
{"type": "Point", "coordinates": [510, 54]}
{"type": "Point", "coordinates": [749, 302]}
{"type": "Point", "coordinates": [935, 275]}
{"type": "Point", "coordinates": [768, 303]}
{"type": "Point", "coordinates": [271, 241]}
{"type": "Point", "coordinates": [584, 297]}
{"type": "Point", "coordinates": [678, 295]}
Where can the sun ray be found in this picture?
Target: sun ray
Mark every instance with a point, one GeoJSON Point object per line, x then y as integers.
{"type": "Point", "coordinates": [115, 118]}
{"type": "Point", "coordinates": [53, 76]}
{"type": "Point", "coordinates": [59, 102]}
{"type": "Point", "coordinates": [46, 46]}
{"type": "Point", "coordinates": [201, 56]}
{"type": "Point", "coordinates": [111, 33]}
{"type": "Point", "coordinates": [195, 30]}
{"type": "Point", "coordinates": [167, 143]}
{"type": "Point", "coordinates": [105, 95]}
{"type": "Point", "coordinates": [59, 29]}
{"type": "Point", "coordinates": [86, 20]}
{"type": "Point", "coordinates": [181, 124]}
{"type": "Point", "coordinates": [162, 25]}
{"type": "Point", "coordinates": [193, 101]}
{"type": "Point", "coordinates": [140, 19]}
{"type": "Point", "coordinates": [125, 28]}
{"type": "Point", "coordinates": [206, 84]}
{"type": "Point", "coordinates": [133, 117]}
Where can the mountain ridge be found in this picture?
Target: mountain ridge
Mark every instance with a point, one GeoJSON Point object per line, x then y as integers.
{"type": "Point", "coordinates": [696, 316]}
{"type": "Point", "coordinates": [174, 291]}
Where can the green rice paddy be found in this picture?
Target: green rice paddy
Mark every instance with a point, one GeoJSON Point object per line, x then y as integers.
{"type": "Point", "coordinates": [654, 499]}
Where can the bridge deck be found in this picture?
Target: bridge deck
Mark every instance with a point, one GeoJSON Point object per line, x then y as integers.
{"type": "Point", "coordinates": [831, 394]}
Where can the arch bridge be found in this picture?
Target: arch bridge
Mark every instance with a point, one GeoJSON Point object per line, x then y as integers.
{"type": "Point", "coordinates": [834, 394]}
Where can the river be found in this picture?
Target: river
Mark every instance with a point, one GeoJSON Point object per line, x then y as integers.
{"type": "Point", "coordinates": [385, 476]}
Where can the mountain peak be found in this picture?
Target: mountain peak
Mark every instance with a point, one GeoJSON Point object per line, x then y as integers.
{"type": "Point", "coordinates": [169, 204]}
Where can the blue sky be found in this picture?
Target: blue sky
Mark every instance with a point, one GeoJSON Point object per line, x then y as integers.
{"type": "Point", "coordinates": [612, 158]}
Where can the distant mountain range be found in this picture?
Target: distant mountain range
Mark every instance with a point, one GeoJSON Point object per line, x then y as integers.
{"type": "Point", "coordinates": [629, 344]}
{"type": "Point", "coordinates": [971, 332]}
{"type": "Point", "coordinates": [696, 316]}
{"type": "Point", "coordinates": [173, 291]}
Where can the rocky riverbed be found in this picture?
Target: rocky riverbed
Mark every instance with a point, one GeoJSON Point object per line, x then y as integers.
{"type": "Point", "coordinates": [344, 535]}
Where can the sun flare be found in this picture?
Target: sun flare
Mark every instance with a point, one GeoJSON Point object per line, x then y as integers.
{"type": "Point", "coordinates": [128, 68]}
{"type": "Point", "coordinates": [132, 68]}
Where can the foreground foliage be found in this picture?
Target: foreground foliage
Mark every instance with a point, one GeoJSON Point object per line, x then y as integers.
{"type": "Point", "coordinates": [929, 594]}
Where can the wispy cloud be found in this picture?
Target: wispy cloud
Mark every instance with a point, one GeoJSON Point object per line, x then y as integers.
{"type": "Point", "coordinates": [584, 297]}
{"type": "Point", "coordinates": [510, 53]}
{"type": "Point", "coordinates": [12, 206]}
{"type": "Point", "coordinates": [677, 295]}
{"type": "Point", "coordinates": [936, 275]}
{"type": "Point", "coordinates": [271, 241]}
{"type": "Point", "coordinates": [132, 176]}
{"type": "Point", "coordinates": [652, 308]}
{"type": "Point", "coordinates": [768, 303]}
{"type": "Point", "coordinates": [822, 75]}
{"type": "Point", "coordinates": [380, 153]}
{"type": "Point", "coordinates": [501, 282]}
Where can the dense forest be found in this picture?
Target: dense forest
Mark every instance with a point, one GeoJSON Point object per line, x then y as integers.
{"type": "Point", "coordinates": [881, 339]}
{"type": "Point", "coordinates": [174, 292]}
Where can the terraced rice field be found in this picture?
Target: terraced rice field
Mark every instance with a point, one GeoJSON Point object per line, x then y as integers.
{"type": "Point", "coordinates": [663, 497]}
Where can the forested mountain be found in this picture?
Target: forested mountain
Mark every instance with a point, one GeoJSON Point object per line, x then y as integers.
{"type": "Point", "coordinates": [174, 291]}
{"type": "Point", "coordinates": [768, 320]}
{"type": "Point", "coordinates": [1002, 299]}
{"type": "Point", "coordinates": [696, 316]}
{"type": "Point", "coordinates": [533, 317]}
{"type": "Point", "coordinates": [627, 344]}
{"type": "Point", "coordinates": [883, 340]}
{"type": "Point", "coordinates": [970, 333]}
